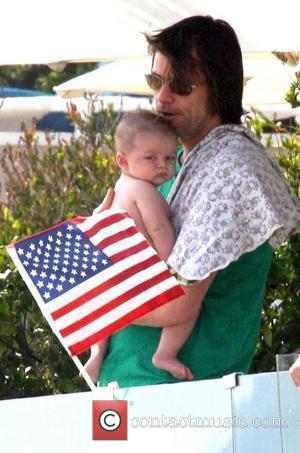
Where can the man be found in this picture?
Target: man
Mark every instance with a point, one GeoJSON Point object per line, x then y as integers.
{"type": "Point", "coordinates": [229, 205]}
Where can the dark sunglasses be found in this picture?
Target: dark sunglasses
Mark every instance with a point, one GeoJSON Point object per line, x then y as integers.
{"type": "Point", "coordinates": [176, 85]}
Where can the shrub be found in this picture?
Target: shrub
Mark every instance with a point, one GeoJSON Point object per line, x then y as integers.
{"type": "Point", "coordinates": [44, 187]}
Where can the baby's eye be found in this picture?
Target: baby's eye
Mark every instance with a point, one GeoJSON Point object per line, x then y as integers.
{"type": "Point", "coordinates": [171, 158]}
{"type": "Point", "coordinates": [150, 157]}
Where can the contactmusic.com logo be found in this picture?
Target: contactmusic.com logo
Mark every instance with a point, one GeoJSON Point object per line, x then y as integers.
{"type": "Point", "coordinates": [109, 420]}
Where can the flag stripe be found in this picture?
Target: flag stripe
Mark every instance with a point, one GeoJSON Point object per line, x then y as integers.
{"type": "Point", "coordinates": [131, 231]}
{"type": "Point", "coordinates": [124, 297]}
{"type": "Point", "coordinates": [102, 224]}
{"type": "Point", "coordinates": [170, 294]}
{"type": "Point", "coordinates": [120, 311]}
{"type": "Point", "coordinates": [123, 244]}
{"type": "Point", "coordinates": [129, 252]}
{"type": "Point", "coordinates": [104, 286]}
{"type": "Point", "coordinates": [111, 293]}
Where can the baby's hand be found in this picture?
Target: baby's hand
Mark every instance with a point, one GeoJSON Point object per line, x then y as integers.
{"type": "Point", "coordinates": [106, 203]}
{"type": "Point", "coordinates": [295, 373]}
{"type": "Point", "coordinates": [93, 367]}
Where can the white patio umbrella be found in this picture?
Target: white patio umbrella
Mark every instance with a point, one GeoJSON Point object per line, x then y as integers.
{"type": "Point", "coordinates": [61, 31]}
{"type": "Point", "coordinates": [266, 81]}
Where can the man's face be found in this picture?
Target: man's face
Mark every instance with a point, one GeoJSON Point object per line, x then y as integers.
{"type": "Point", "coordinates": [189, 115]}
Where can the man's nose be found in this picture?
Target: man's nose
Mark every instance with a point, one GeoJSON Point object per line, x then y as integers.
{"type": "Point", "coordinates": [164, 95]}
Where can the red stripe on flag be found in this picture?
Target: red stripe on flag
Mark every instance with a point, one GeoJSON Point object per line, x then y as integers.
{"type": "Point", "coordinates": [161, 299]}
{"type": "Point", "coordinates": [115, 280]}
{"type": "Point", "coordinates": [117, 237]}
{"type": "Point", "coordinates": [129, 252]}
{"type": "Point", "coordinates": [104, 223]}
{"type": "Point", "coordinates": [115, 303]}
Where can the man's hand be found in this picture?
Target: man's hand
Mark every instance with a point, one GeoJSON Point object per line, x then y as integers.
{"type": "Point", "coordinates": [106, 203]}
{"type": "Point", "coordinates": [295, 373]}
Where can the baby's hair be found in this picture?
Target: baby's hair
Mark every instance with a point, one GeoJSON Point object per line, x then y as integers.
{"type": "Point", "coordinates": [139, 122]}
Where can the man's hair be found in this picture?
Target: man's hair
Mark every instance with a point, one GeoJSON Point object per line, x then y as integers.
{"type": "Point", "coordinates": [201, 44]}
{"type": "Point", "coordinates": [139, 122]}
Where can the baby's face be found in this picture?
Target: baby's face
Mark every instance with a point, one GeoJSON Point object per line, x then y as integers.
{"type": "Point", "coordinates": [152, 158]}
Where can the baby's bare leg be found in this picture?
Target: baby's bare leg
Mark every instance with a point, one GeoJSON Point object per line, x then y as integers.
{"type": "Point", "coordinates": [171, 341]}
{"type": "Point", "coordinates": [93, 365]}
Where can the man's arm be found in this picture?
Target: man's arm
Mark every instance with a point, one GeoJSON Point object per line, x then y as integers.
{"type": "Point", "coordinates": [185, 308]}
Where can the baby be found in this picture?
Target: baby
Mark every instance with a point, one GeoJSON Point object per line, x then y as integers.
{"type": "Point", "coordinates": [146, 155]}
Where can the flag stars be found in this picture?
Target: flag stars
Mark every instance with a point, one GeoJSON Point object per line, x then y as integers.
{"type": "Point", "coordinates": [59, 288]}
{"type": "Point", "coordinates": [39, 251]}
{"type": "Point", "coordinates": [62, 278]}
{"type": "Point", "coordinates": [41, 243]}
{"type": "Point", "coordinates": [47, 295]}
{"type": "Point", "coordinates": [20, 252]}
{"type": "Point", "coordinates": [103, 261]}
{"type": "Point", "coordinates": [48, 247]}
{"type": "Point", "coordinates": [33, 273]}
{"type": "Point", "coordinates": [50, 285]}
{"type": "Point", "coordinates": [28, 255]}
{"type": "Point", "coordinates": [64, 270]}
{"type": "Point", "coordinates": [83, 274]}
{"type": "Point", "coordinates": [50, 238]}
{"type": "Point", "coordinates": [53, 277]}
{"type": "Point", "coordinates": [94, 268]}
{"type": "Point", "coordinates": [59, 234]}
{"type": "Point", "coordinates": [78, 237]}
{"type": "Point", "coordinates": [70, 227]}
{"type": "Point", "coordinates": [55, 268]}
{"type": "Point", "coordinates": [43, 274]}
{"type": "Point", "coordinates": [72, 280]}
{"type": "Point", "coordinates": [74, 272]}
{"type": "Point", "coordinates": [26, 263]}
{"type": "Point", "coordinates": [40, 284]}
{"type": "Point", "coordinates": [32, 247]}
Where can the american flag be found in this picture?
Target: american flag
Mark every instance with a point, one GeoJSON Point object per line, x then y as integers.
{"type": "Point", "coordinates": [92, 276]}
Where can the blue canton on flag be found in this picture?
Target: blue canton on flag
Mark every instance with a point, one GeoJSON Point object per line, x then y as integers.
{"type": "Point", "coordinates": [59, 259]}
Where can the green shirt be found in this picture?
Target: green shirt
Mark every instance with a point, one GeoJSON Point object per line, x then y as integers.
{"type": "Point", "coordinates": [223, 340]}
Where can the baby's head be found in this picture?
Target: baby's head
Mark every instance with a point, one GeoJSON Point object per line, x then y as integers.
{"type": "Point", "coordinates": [146, 146]}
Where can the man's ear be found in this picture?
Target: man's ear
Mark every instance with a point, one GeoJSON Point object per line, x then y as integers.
{"type": "Point", "coordinates": [122, 160]}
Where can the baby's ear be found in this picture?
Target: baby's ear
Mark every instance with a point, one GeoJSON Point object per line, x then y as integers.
{"type": "Point", "coordinates": [122, 160]}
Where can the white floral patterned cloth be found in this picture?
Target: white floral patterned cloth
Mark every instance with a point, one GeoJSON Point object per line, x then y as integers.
{"type": "Point", "coordinates": [228, 199]}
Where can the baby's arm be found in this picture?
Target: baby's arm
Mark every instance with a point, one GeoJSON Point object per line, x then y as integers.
{"type": "Point", "coordinates": [154, 212]}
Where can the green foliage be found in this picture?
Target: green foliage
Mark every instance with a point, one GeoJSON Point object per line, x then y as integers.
{"type": "Point", "coordinates": [40, 77]}
{"type": "Point", "coordinates": [280, 329]}
{"type": "Point", "coordinates": [45, 186]}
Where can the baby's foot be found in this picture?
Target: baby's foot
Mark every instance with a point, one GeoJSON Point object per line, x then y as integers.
{"type": "Point", "coordinates": [173, 366]}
